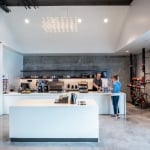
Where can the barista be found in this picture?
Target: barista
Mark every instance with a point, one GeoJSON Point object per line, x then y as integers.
{"type": "Point", "coordinates": [97, 82]}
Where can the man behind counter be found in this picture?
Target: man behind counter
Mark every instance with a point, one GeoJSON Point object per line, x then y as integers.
{"type": "Point", "coordinates": [97, 82]}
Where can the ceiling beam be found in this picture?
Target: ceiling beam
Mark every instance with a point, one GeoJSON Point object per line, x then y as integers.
{"type": "Point", "coordinates": [69, 2]}
{"type": "Point", "coordinates": [35, 3]}
{"type": "Point", "coordinates": [3, 6]}
{"type": "Point", "coordinates": [30, 3]}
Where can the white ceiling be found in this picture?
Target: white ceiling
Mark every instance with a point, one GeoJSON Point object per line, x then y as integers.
{"type": "Point", "coordinates": [136, 30]}
{"type": "Point", "coordinates": [137, 45]}
{"type": "Point", "coordinates": [93, 35]}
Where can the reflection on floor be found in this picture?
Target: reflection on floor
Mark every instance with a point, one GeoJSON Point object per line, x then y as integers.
{"type": "Point", "coordinates": [115, 134]}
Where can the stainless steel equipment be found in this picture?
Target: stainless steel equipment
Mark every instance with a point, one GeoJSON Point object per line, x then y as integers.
{"type": "Point", "coordinates": [55, 85]}
{"type": "Point", "coordinates": [73, 98]}
{"type": "Point", "coordinates": [83, 87]}
{"type": "Point", "coordinates": [62, 99]}
{"type": "Point", "coordinates": [45, 88]}
{"type": "Point", "coordinates": [24, 88]}
{"type": "Point", "coordinates": [42, 86]}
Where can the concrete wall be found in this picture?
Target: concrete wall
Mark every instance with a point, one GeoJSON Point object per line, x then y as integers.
{"type": "Point", "coordinates": [147, 65]}
{"type": "Point", "coordinates": [114, 65]}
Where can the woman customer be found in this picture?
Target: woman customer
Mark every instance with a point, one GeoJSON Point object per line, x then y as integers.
{"type": "Point", "coordinates": [115, 98]}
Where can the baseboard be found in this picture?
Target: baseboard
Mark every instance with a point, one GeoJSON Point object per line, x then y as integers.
{"type": "Point", "coordinates": [54, 139]}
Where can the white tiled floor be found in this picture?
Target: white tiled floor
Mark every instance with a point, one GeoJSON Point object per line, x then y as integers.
{"type": "Point", "coordinates": [130, 134]}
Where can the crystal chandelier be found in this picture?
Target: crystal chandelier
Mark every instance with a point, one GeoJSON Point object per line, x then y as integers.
{"type": "Point", "coordinates": [61, 24]}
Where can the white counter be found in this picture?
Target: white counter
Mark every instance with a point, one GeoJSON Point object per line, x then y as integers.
{"type": "Point", "coordinates": [102, 99]}
{"type": "Point", "coordinates": [43, 120]}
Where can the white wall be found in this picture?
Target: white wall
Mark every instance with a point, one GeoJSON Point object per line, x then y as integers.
{"type": "Point", "coordinates": [1, 71]}
{"type": "Point", "coordinates": [6, 34]}
{"type": "Point", "coordinates": [12, 65]}
{"type": "Point", "coordinates": [137, 22]}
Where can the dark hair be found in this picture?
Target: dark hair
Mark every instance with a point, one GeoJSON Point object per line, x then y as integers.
{"type": "Point", "coordinates": [115, 77]}
{"type": "Point", "coordinates": [98, 73]}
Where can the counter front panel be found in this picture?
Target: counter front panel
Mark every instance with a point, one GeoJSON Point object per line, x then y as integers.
{"type": "Point", "coordinates": [46, 121]}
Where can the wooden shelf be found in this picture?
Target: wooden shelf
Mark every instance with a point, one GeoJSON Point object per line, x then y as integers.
{"type": "Point", "coordinates": [51, 78]}
{"type": "Point", "coordinates": [56, 70]}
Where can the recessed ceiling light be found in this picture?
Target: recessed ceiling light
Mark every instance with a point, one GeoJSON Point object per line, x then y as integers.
{"type": "Point", "coordinates": [106, 20]}
{"type": "Point", "coordinates": [79, 20]}
{"type": "Point", "coordinates": [127, 51]}
{"type": "Point", "coordinates": [27, 21]}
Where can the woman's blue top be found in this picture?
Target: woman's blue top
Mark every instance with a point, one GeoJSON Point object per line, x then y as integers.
{"type": "Point", "coordinates": [116, 87]}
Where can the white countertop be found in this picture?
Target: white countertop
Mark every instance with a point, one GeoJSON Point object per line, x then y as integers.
{"type": "Point", "coordinates": [102, 99]}
{"type": "Point", "coordinates": [61, 93]}
{"type": "Point", "coordinates": [50, 103]}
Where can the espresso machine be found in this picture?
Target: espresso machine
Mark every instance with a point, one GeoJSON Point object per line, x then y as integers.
{"type": "Point", "coordinates": [42, 86]}
{"type": "Point", "coordinates": [83, 87]}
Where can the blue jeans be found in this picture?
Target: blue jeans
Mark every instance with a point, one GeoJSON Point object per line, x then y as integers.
{"type": "Point", "coordinates": [115, 100]}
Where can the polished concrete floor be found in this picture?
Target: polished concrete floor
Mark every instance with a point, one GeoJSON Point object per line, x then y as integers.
{"type": "Point", "coordinates": [132, 133]}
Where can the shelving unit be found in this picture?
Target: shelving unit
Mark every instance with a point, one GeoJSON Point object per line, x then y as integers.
{"type": "Point", "coordinates": [59, 73]}
{"type": "Point", "coordinates": [138, 86]}
{"type": "Point", "coordinates": [138, 94]}
{"type": "Point", "coordinates": [58, 70]}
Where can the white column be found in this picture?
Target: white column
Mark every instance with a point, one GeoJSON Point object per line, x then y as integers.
{"type": "Point", "coordinates": [1, 73]}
